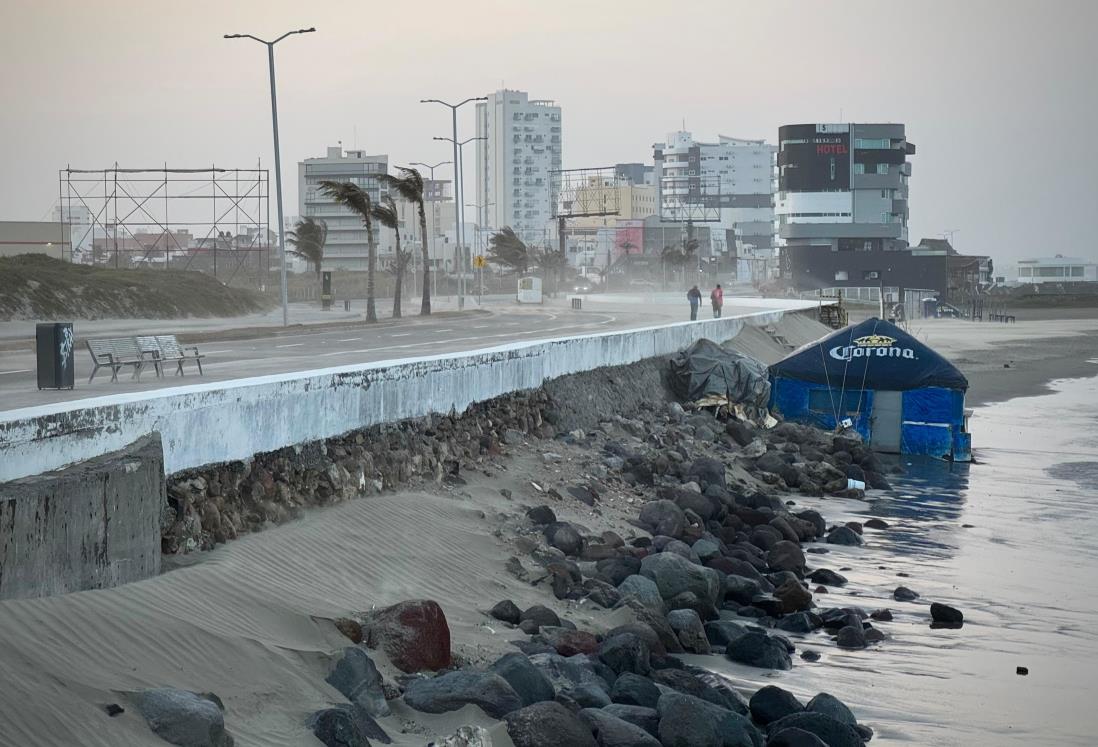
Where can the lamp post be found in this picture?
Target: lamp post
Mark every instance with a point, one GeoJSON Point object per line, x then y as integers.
{"type": "Point", "coordinates": [457, 171]}
{"type": "Point", "coordinates": [278, 162]}
{"type": "Point", "coordinates": [429, 167]}
{"type": "Point", "coordinates": [460, 147]}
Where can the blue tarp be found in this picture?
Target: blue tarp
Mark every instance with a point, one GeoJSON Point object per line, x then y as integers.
{"type": "Point", "coordinates": [872, 355]}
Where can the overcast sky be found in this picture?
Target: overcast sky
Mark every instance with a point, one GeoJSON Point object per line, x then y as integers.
{"type": "Point", "coordinates": [1000, 96]}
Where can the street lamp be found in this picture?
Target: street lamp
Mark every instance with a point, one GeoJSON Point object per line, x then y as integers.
{"type": "Point", "coordinates": [278, 161]}
{"type": "Point", "coordinates": [430, 167]}
{"type": "Point", "coordinates": [460, 172]}
{"type": "Point", "coordinates": [457, 169]}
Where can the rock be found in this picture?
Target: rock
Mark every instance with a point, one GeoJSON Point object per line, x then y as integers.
{"type": "Point", "coordinates": [663, 517]}
{"type": "Point", "coordinates": [657, 623]}
{"type": "Point", "coordinates": [810, 655]}
{"type": "Point", "coordinates": [541, 515]}
{"type": "Point", "coordinates": [564, 537]}
{"type": "Point", "coordinates": [466, 736]}
{"type": "Point", "coordinates": [539, 615]}
{"type": "Point", "coordinates": [705, 549]}
{"type": "Point", "coordinates": [706, 472]}
{"type": "Point", "coordinates": [881, 615]}
{"type": "Point", "coordinates": [611, 731]}
{"type": "Point", "coordinates": [617, 569]}
{"type": "Point", "coordinates": [786, 556]}
{"type": "Point", "coordinates": [721, 632]}
{"type": "Point", "coordinates": [815, 518]}
{"type": "Point", "coordinates": [831, 732]}
{"type": "Point", "coordinates": [113, 709]}
{"type": "Point", "coordinates": [529, 682]}
{"type": "Point", "coordinates": [675, 574]}
{"type": "Point", "coordinates": [799, 622]}
{"type": "Point", "coordinates": [757, 649]}
{"type": "Point", "coordinates": [587, 696]}
{"type": "Point", "coordinates": [794, 597]}
{"type": "Point", "coordinates": [740, 589]}
{"type": "Point", "coordinates": [1021, 670]}
{"type": "Point", "coordinates": [686, 721]}
{"type": "Point", "coordinates": [943, 613]}
{"type": "Point", "coordinates": [644, 590]}
{"type": "Point", "coordinates": [346, 725]}
{"type": "Point", "coordinates": [453, 690]}
{"type": "Point", "coordinates": [876, 524]}
{"type": "Point", "coordinates": [350, 628]}
{"type": "Point", "coordinates": [857, 527]}
{"type": "Point", "coordinates": [548, 725]}
{"type": "Point", "coordinates": [829, 705]}
{"type": "Point", "coordinates": [904, 594]}
{"type": "Point", "coordinates": [567, 672]}
{"type": "Point", "coordinates": [872, 635]}
{"type": "Point", "coordinates": [601, 593]}
{"type": "Point", "coordinates": [765, 536]}
{"type": "Point", "coordinates": [646, 718]}
{"type": "Point", "coordinates": [626, 652]}
{"type": "Point", "coordinates": [827, 577]}
{"type": "Point", "coordinates": [768, 604]}
{"type": "Point", "coordinates": [851, 636]}
{"type": "Point", "coordinates": [357, 678]}
{"type": "Point", "coordinates": [507, 611]}
{"type": "Point", "coordinates": [681, 548]}
{"type": "Point", "coordinates": [688, 600]}
{"type": "Point", "coordinates": [772, 703]}
{"type": "Point", "coordinates": [794, 737]}
{"type": "Point", "coordinates": [584, 494]}
{"type": "Point", "coordinates": [632, 689]}
{"type": "Point", "coordinates": [182, 717]}
{"type": "Point", "coordinates": [512, 437]}
{"type": "Point", "coordinates": [843, 536]}
{"type": "Point", "coordinates": [413, 634]}
{"type": "Point", "coordinates": [690, 684]}
{"type": "Point", "coordinates": [567, 642]}
{"type": "Point", "coordinates": [688, 627]}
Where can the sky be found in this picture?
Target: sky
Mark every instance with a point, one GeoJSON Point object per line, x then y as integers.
{"type": "Point", "coordinates": [997, 96]}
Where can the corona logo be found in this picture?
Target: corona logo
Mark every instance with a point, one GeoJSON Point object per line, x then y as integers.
{"type": "Point", "coordinates": [871, 346]}
{"type": "Point", "coordinates": [875, 341]}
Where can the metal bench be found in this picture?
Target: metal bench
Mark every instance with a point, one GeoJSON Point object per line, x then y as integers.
{"type": "Point", "coordinates": [116, 353]}
{"type": "Point", "coordinates": [171, 350]}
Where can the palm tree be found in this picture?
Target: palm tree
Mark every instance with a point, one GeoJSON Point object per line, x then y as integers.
{"type": "Point", "coordinates": [357, 200]}
{"type": "Point", "coordinates": [409, 186]}
{"type": "Point", "coordinates": [506, 248]}
{"type": "Point", "coordinates": [308, 239]}
{"type": "Point", "coordinates": [552, 263]}
{"type": "Point", "coordinates": [386, 214]}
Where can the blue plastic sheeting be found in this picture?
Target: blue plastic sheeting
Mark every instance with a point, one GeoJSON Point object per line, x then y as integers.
{"type": "Point", "coordinates": [792, 400]}
{"type": "Point", "coordinates": [872, 355]}
{"type": "Point", "coordinates": [934, 405]}
{"type": "Point", "coordinates": [932, 439]}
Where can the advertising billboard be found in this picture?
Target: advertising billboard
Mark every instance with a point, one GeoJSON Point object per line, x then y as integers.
{"type": "Point", "coordinates": [819, 163]}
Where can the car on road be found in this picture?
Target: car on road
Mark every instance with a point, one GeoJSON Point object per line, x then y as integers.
{"type": "Point", "coordinates": [580, 285]}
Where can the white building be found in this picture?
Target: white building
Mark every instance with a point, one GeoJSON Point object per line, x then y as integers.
{"type": "Point", "coordinates": [726, 184]}
{"type": "Point", "coordinates": [347, 246]}
{"type": "Point", "coordinates": [1058, 269]}
{"type": "Point", "coordinates": [438, 208]}
{"type": "Point", "coordinates": [523, 145]}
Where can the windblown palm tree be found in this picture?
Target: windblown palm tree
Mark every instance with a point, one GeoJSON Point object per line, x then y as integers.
{"type": "Point", "coordinates": [308, 239]}
{"type": "Point", "coordinates": [357, 200]}
{"type": "Point", "coordinates": [409, 187]}
{"type": "Point", "coordinates": [552, 263]}
{"type": "Point", "coordinates": [507, 249]}
{"type": "Point", "coordinates": [386, 214]}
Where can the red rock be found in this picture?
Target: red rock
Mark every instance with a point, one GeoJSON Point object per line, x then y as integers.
{"type": "Point", "coordinates": [413, 634]}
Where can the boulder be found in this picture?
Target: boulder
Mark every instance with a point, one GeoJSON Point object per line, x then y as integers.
{"type": "Point", "coordinates": [632, 689]}
{"type": "Point", "coordinates": [506, 611]}
{"type": "Point", "coordinates": [658, 624]}
{"type": "Point", "coordinates": [688, 627]}
{"type": "Point", "coordinates": [529, 682]}
{"type": "Point", "coordinates": [851, 636]}
{"type": "Point", "coordinates": [794, 737]}
{"type": "Point", "coordinates": [675, 574]}
{"type": "Point", "coordinates": [568, 642]}
{"type": "Point", "coordinates": [815, 518]}
{"type": "Point", "coordinates": [831, 732]}
{"type": "Point", "coordinates": [799, 622]}
{"type": "Point", "coordinates": [601, 593]}
{"type": "Point", "coordinates": [741, 589]}
{"type": "Point", "coordinates": [876, 523]}
{"type": "Point", "coordinates": [706, 471]}
{"type": "Point", "coordinates": [567, 672]}
{"type": "Point", "coordinates": [765, 537]}
{"type": "Point", "coordinates": [706, 549]}
{"type": "Point", "coordinates": [413, 634]}
{"type": "Point", "coordinates": [829, 705]}
{"type": "Point", "coordinates": [663, 517]}
{"type": "Point", "coordinates": [357, 678]}
{"type": "Point", "coordinates": [564, 537]}
{"type": "Point", "coordinates": [646, 718]}
{"type": "Point", "coordinates": [548, 725]}
{"type": "Point", "coordinates": [827, 577]}
{"type": "Point", "coordinates": [456, 689]}
{"type": "Point", "coordinates": [617, 569]}
{"type": "Point", "coordinates": [184, 718]}
{"type": "Point", "coordinates": [539, 615]}
{"type": "Point", "coordinates": [686, 721]}
{"type": "Point", "coordinates": [786, 556]}
{"type": "Point", "coordinates": [688, 600]}
{"type": "Point", "coordinates": [587, 696]}
{"type": "Point", "coordinates": [690, 684]}
{"type": "Point", "coordinates": [943, 613]}
{"type": "Point", "coordinates": [626, 652]}
{"type": "Point", "coordinates": [681, 548]}
{"type": "Point", "coordinates": [772, 703]}
{"type": "Point", "coordinates": [794, 596]}
{"type": "Point", "coordinates": [611, 731]}
{"type": "Point", "coordinates": [843, 536]}
{"type": "Point", "coordinates": [541, 515]}
{"type": "Point", "coordinates": [720, 632]}
{"type": "Point", "coordinates": [904, 594]}
{"type": "Point", "coordinates": [757, 649]}
{"type": "Point", "coordinates": [346, 725]}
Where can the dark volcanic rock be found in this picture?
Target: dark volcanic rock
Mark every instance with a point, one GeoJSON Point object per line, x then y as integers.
{"type": "Point", "coordinates": [507, 611]}
{"type": "Point", "coordinates": [794, 737]}
{"type": "Point", "coordinates": [346, 725]}
{"type": "Point", "coordinates": [539, 615]}
{"type": "Point", "coordinates": [786, 556]}
{"type": "Point", "coordinates": [646, 718]}
{"type": "Point", "coordinates": [688, 627]}
{"type": "Point", "coordinates": [772, 703]}
{"type": "Point", "coordinates": [183, 717]}
{"type": "Point", "coordinates": [453, 690]}
{"type": "Point", "coordinates": [541, 515]}
{"type": "Point", "coordinates": [529, 682]}
{"type": "Point", "coordinates": [882, 615]}
{"type": "Point", "coordinates": [943, 613]}
{"type": "Point", "coordinates": [615, 570]}
{"type": "Point", "coordinates": [548, 725]}
{"type": "Point", "coordinates": [626, 652]}
{"type": "Point", "coordinates": [758, 649]}
{"type": "Point", "coordinates": [663, 517]}
{"type": "Point", "coordinates": [356, 677]}
{"type": "Point", "coordinates": [413, 634]}
{"type": "Point", "coordinates": [876, 524]}
{"type": "Point", "coordinates": [675, 574]}
{"type": "Point", "coordinates": [827, 577]}
{"type": "Point", "coordinates": [799, 622]}
{"type": "Point", "coordinates": [904, 594]}
{"type": "Point", "coordinates": [851, 636]}
{"type": "Point", "coordinates": [632, 689]}
{"type": "Point", "coordinates": [829, 705]}
{"type": "Point", "coordinates": [833, 733]}
{"type": "Point", "coordinates": [721, 632]}
{"type": "Point", "coordinates": [706, 472]}
{"type": "Point", "coordinates": [644, 590]}
{"type": "Point", "coordinates": [611, 731]}
{"type": "Point", "coordinates": [843, 536]}
{"type": "Point", "coordinates": [794, 596]}
{"type": "Point", "coordinates": [564, 537]}
{"type": "Point", "coordinates": [686, 721]}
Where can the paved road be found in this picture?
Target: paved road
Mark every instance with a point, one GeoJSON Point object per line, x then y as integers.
{"type": "Point", "coordinates": [232, 354]}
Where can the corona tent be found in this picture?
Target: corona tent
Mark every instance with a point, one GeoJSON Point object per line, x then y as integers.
{"type": "Point", "coordinates": [900, 395]}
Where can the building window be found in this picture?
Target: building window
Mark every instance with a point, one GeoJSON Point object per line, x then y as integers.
{"type": "Point", "coordinates": [841, 275]}
{"type": "Point", "coordinates": [882, 168]}
{"type": "Point", "coordinates": [872, 143]}
{"type": "Point", "coordinates": [859, 168]}
{"type": "Point", "coordinates": [871, 275]}
{"type": "Point", "coordinates": [1077, 272]}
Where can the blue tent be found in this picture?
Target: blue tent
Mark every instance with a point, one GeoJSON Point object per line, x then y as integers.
{"type": "Point", "coordinates": [900, 395]}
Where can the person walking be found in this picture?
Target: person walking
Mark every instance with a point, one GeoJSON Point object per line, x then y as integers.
{"type": "Point", "coordinates": [694, 296]}
{"type": "Point", "coordinates": [717, 299]}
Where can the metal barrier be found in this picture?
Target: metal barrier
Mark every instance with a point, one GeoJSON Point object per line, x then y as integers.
{"type": "Point", "coordinates": [577, 304]}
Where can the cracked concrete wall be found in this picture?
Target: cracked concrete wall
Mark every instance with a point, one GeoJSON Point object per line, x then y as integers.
{"type": "Point", "coordinates": [90, 526]}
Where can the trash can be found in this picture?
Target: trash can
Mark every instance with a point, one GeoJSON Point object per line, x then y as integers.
{"type": "Point", "coordinates": [346, 304]}
{"type": "Point", "coordinates": [577, 303]}
{"type": "Point", "coordinates": [54, 347]}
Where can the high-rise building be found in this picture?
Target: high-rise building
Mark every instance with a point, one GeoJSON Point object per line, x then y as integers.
{"type": "Point", "coordinates": [439, 211]}
{"type": "Point", "coordinates": [522, 146]}
{"type": "Point", "coordinates": [347, 247]}
{"type": "Point", "coordinates": [726, 184]}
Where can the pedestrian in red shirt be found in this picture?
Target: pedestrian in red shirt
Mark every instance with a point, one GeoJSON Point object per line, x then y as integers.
{"type": "Point", "coordinates": [717, 299]}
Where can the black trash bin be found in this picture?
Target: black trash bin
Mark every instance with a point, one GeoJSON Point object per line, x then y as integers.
{"type": "Point", "coordinates": [56, 368]}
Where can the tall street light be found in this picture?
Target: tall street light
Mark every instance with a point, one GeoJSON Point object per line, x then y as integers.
{"type": "Point", "coordinates": [460, 171]}
{"type": "Point", "coordinates": [429, 167]}
{"type": "Point", "coordinates": [457, 170]}
{"type": "Point", "coordinates": [278, 160]}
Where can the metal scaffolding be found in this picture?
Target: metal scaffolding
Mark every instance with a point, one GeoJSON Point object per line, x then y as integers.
{"type": "Point", "coordinates": [213, 220]}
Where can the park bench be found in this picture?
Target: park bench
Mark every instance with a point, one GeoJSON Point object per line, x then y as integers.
{"type": "Point", "coordinates": [116, 353]}
{"type": "Point", "coordinates": [171, 350]}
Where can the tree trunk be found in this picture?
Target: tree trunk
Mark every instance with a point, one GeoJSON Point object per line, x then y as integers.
{"type": "Point", "coordinates": [371, 267]}
{"type": "Point", "coordinates": [399, 276]}
{"type": "Point", "coordinates": [425, 307]}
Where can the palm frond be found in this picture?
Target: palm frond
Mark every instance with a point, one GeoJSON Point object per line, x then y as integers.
{"type": "Point", "coordinates": [408, 185]}
{"type": "Point", "coordinates": [386, 213]}
{"type": "Point", "coordinates": [349, 195]}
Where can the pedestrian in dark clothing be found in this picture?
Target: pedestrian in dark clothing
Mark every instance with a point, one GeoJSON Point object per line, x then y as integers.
{"type": "Point", "coordinates": [717, 299]}
{"type": "Point", "coordinates": [694, 296]}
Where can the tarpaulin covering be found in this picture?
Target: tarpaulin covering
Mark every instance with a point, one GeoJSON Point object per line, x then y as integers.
{"type": "Point", "coordinates": [706, 369]}
{"type": "Point", "coordinates": [874, 354]}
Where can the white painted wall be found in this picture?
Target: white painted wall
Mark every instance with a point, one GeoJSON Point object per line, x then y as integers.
{"type": "Point", "coordinates": [222, 421]}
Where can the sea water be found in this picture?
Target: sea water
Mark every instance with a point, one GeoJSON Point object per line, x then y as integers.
{"type": "Point", "coordinates": [1012, 541]}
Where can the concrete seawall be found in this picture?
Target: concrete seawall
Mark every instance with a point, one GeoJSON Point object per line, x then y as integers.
{"type": "Point", "coordinates": [218, 422]}
{"type": "Point", "coordinates": [91, 526]}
